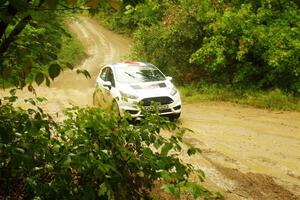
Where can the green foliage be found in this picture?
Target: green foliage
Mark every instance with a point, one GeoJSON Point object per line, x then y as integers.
{"type": "Point", "coordinates": [245, 44]}
{"type": "Point", "coordinates": [170, 44]}
{"type": "Point", "coordinates": [259, 47]}
{"type": "Point", "coordinates": [132, 15]}
{"type": "Point", "coordinates": [92, 154]}
{"type": "Point", "coordinates": [71, 52]}
{"type": "Point", "coordinates": [34, 50]}
{"type": "Point", "coordinates": [273, 99]}
{"type": "Point", "coordinates": [54, 70]}
{"type": "Point", "coordinates": [31, 62]}
{"type": "Point", "coordinates": [30, 43]}
{"type": "Point", "coordinates": [147, 13]}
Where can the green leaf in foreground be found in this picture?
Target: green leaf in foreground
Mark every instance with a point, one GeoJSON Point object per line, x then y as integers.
{"type": "Point", "coordinates": [39, 78]}
{"type": "Point", "coordinates": [166, 148]}
{"type": "Point", "coordinates": [91, 154]}
{"type": "Point", "coordinates": [201, 175]}
{"type": "Point", "coordinates": [195, 190]}
{"type": "Point", "coordinates": [193, 150]}
{"type": "Point", "coordinates": [84, 72]}
{"type": "Point", "coordinates": [54, 70]}
{"type": "Point", "coordinates": [171, 189]}
{"type": "Point", "coordinates": [69, 65]}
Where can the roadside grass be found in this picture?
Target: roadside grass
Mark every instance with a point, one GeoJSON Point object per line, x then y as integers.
{"type": "Point", "coordinates": [273, 100]}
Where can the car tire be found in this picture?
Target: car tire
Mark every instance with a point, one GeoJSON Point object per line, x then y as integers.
{"type": "Point", "coordinates": [175, 116]}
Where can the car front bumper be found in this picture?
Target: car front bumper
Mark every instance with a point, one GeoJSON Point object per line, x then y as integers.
{"type": "Point", "coordinates": [135, 108]}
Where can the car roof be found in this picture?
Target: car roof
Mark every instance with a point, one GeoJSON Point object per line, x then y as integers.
{"type": "Point", "coordinates": [131, 63]}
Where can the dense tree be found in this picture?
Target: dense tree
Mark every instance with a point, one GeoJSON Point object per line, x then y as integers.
{"type": "Point", "coordinates": [30, 38]}
{"type": "Point", "coordinates": [245, 44]}
{"type": "Point", "coordinates": [92, 154]}
{"type": "Point", "coordinates": [252, 45]}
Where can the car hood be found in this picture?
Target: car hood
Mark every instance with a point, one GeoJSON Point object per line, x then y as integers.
{"type": "Point", "coordinates": [149, 89]}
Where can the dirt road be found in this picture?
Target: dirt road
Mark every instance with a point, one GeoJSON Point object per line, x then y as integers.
{"type": "Point", "coordinates": [248, 153]}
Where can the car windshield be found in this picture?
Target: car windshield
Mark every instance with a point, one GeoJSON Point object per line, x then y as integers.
{"type": "Point", "coordinates": [136, 74]}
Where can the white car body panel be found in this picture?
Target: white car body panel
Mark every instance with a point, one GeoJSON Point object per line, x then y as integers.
{"type": "Point", "coordinates": [159, 90]}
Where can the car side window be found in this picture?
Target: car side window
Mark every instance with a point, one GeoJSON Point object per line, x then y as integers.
{"type": "Point", "coordinates": [103, 74]}
{"type": "Point", "coordinates": [110, 77]}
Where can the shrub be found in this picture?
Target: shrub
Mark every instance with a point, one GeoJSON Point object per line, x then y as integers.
{"type": "Point", "coordinates": [198, 40]}
{"type": "Point", "coordinates": [273, 99]}
{"type": "Point", "coordinates": [90, 155]}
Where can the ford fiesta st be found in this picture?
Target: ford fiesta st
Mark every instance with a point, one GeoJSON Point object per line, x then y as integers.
{"type": "Point", "coordinates": [128, 84]}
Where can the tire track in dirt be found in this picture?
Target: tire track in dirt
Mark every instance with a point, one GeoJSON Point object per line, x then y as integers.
{"type": "Point", "coordinates": [257, 151]}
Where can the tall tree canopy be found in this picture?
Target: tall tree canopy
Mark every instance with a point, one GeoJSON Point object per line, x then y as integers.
{"type": "Point", "coordinates": [245, 44]}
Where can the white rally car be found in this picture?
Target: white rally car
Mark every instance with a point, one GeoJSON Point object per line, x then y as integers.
{"type": "Point", "coordinates": [124, 85]}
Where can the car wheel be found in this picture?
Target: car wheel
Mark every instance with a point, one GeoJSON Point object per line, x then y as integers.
{"type": "Point", "coordinates": [175, 116]}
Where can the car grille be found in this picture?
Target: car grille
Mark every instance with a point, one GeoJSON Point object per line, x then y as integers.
{"type": "Point", "coordinates": [133, 112]}
{"type": "Point", "coordinates": [161, 111]}
{"type": "Point", "coordinates": [161, 100]}
{"type": "Point", "coordinates": [165, 111]}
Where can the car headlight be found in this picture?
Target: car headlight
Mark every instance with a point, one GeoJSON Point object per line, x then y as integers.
{"type": "Point", "coordinates": [173, 91]}
{"type": "Point", "coordinates": [129, 96]}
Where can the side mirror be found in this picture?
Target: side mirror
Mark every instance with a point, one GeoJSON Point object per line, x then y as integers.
{"type": "Point", "coordinates": [169, 78]}
{"type": "Point", "coordinates": [107, 84]}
